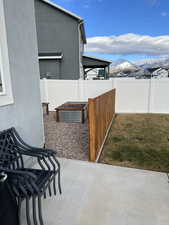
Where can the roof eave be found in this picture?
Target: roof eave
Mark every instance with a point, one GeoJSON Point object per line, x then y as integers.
{"type": "Point", "coordinates": [62, 9]}
{"type": "Point", "coordinates": [95, 58]}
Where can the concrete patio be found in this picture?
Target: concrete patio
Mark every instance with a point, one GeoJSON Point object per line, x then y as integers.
{"type": "Point", "coordinates": [98, 194]}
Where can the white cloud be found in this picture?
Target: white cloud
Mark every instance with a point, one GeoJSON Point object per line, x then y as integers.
{"type": "Point", "coordinates": [164, 14]}
{"type": "Point", "coordinates": [129, 44]}
{"type": "Point", "coordinates": [86, 6]}
{"type": "Point", "coordinates": [153, 2]}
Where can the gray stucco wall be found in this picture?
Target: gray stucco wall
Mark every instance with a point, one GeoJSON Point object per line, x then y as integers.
{"type": "Point", "coordinates": [26, 112]}
{"type": "Point", "coordinates": [57, 32]}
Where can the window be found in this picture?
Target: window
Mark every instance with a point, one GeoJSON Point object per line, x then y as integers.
{"type": "Point", "coordinates": [5, 79]}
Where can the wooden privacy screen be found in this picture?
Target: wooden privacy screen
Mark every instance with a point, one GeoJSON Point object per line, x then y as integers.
{"type": "Point", "coordinates": [101, 111]}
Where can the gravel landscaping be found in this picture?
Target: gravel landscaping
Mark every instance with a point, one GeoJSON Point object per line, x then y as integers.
{"type": "Point", "coordinates": [69, 139]}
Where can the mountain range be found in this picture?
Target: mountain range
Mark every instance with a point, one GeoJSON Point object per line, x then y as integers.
{"type": "Point", "coordinates": [141, 66]}
{"type": "Point", "coordinates": [153, 62]}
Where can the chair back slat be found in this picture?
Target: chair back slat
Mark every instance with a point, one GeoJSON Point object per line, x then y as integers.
{"type": "Point", "coordinates": [9, 157]}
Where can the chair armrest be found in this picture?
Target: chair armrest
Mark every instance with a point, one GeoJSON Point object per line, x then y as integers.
{"type": "Point", "coordinates": [44, 151]}
{"type": "Point", "coordinates": [25, 148]}
{"type": "Point", "coordinates": [34, 152]}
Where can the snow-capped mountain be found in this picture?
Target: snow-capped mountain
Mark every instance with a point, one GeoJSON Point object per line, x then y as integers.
{"type": "Point", "coordinates": [143, 69]}
{"type": "Point", "coordinates": [123, 66]}
{"type": "Point", "coordinates": [154, 62]}
{"type": "Point", "coordinates": [118, 62]}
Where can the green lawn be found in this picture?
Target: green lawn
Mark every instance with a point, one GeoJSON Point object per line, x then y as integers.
{"type": "Point", "coordinates": [138, 141]}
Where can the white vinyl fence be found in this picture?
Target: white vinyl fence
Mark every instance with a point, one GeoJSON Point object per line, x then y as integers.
{"type": "Point", "coordinates": [132, 96]}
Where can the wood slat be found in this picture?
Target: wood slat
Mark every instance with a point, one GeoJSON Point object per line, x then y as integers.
{"type": "Point", "coordinates": [101, 110]}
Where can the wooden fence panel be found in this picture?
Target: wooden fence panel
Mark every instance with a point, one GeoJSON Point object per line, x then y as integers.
{"type": "Point", "coordinates": [101, 111]}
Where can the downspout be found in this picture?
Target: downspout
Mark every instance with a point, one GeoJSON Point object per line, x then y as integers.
{"type": "Point", "coordinates": [79, 25]}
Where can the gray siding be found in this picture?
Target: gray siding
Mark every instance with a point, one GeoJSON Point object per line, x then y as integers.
{"type": "Point", "coordinates": [26, 112]}
{"type": "Point", "coordinates": [50, 69]}
{"type": "Point", "coordinates": [57, 32]}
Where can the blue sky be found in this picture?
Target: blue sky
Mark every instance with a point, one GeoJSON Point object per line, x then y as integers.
{"type": "Point", "coordinates": [131, 24]}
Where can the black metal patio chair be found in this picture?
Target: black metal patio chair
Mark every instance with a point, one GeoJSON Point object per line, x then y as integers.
{"type": "Point", "coordinates": [26, 183]}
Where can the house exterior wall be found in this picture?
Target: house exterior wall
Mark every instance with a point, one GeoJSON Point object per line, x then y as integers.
{"type": "Point", "coordinates": [57, 32]}
{"type": "Point", "coordinates": [25, 114]}
{"type": "Point", "coordinates": [160, 73]}
{"type": "Point", "coordinates": [50, 69]}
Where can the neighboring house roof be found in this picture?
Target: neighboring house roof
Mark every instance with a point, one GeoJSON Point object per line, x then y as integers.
{"type": "Point", "coordinates": [51, 55]}
{"type": "Point", "coordinates": [97, 59]}
{"type": "Point", "coordinates": [151, 70]}
{"type": "Point", "coordinates": [160, 70]}
{"type": "Point", "coordinates": [79, 19]}
{"type": "Point", "coordinates": [93, 62]}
